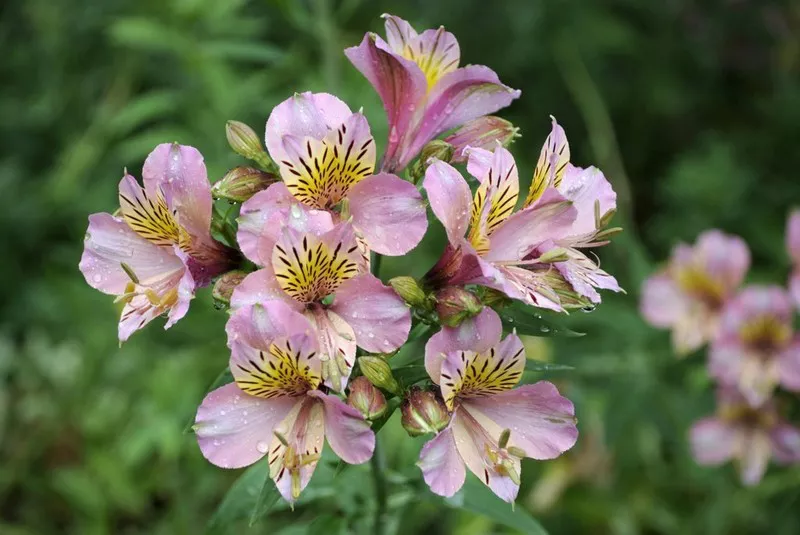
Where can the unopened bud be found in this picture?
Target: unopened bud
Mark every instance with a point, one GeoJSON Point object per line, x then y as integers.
{"type": "Point", "coordinates": [454, 305]}
{"type": "Point", "coordinates": [224, 286]}
{"type": "Point", "coordinates": [484, 133]}
{"type": "Point", "coordinates": [245, 142]}
{"type": "Point", "coordinates": [436, 149]}
{"type": "Point", "coordinates": [409, 290]}
{"type": "Point", "coordinates": [423, 412]}
{"type": "Point", "coordinates": [367, 399]}
{"type": "Point", "coordinates": [377, 370]}
{"type": "Point", "coordinates": [241, 183]}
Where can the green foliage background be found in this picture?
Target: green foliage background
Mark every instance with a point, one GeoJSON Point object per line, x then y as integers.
{"type": "Point", "coordinates": [691, 108]}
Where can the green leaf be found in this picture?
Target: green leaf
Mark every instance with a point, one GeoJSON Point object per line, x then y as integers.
{"type": "Point", "coordinates": [242, 499]}
{"type": "Point", "coordinates": [222, 379]}
{"type": "Point", "coordinates": [530, 321]}
{"type": "Point", "coordinates": [267, 498]}
{"type": "Point", "coordinates": [539, 366]}
{"type": "Point", "coordinates": [408, 375]}
{"type": "Point", "coordinates": [476, 497]}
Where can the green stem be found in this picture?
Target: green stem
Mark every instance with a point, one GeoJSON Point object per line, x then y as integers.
{"type": "Point", "coordinates": [378, 464]}
{"type": "Point", "coordinates": [376, 265]}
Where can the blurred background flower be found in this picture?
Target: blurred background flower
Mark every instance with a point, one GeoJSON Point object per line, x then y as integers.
{"type": "Point", "coordinates": [692, 112]}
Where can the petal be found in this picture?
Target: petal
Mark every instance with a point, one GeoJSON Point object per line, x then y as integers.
{"type": "Point", "coordinates": [499, 188]}
{"type": "Point", "coordinates": [755, 303]}
{"type": "Point", "coordinates": [319, 173]}
{"type": "Point", "coordinates": [180, 172]}
{"type": "Point", "coordinates": [263, 216]}
{"type": "Point", "coordinates": [303, 114]}
{"type": "Point", "coordinates": [346, 430]}
{"type": "Point", "coordinates": [529, 286]}
{"type": "Point", "coordinates": [257, 325]}
{"type": "Point", "coordinates": [186, 288]}
{"type": "Point", "coordinates": [663, 303]}
{"type": "Point", "coordinates": [794, 287]}
{"type": "Point", "coordinates": [436, 52]}
{"type": "Point", "coordinates": [441, 465]}
{"type": "Point", "coordinates": [793, 236]}
{"type": "Point", "coordinates": [518, 235]}
{"type": "Point", "coordinates": [542, 421]}
{"type": "Point", "coordinates": [399, 33]}
{"type": "Point", "coordinates": [234, 429]}
{"type": "Point", "coordinates": [789, 366]}
{"type": "Point", "coordinates": [259, 287]}
{"type": "Point", "coordinates": [458, 97]}
{"type": "Point", "coordinates": [712, 441]}
{"type": "Point", "coordinates": [389, 213]}
{"type": "Point", "coordinates": [401, 85]}
{"type": "Point", "coordinates": [337, 346]}
{"type": "Point", "coordinates": [584, 275]}
{"type": "Point", "coordinates": [148, 214]}
{"type": "Point", "coordinates": [467, 374]}
{"type": "Point", "coordinates": [378, 316]}
{"type": "Point", "coordinates": [785, 443]}
{"type": "Point", "coordinates": [552, 164]}
{"type": "Point", "coordinates": [724, 258]}
{"type": "Point", "coordinates": [477, 334]}
{"type": "Point", "coordinates": [110, 243]}
{"type": "Point", "coordinates": [474, 441]}
{"type": "Point", "coordinates": [587, 189]}
{"type": "Point", "coordinates": [450, 198]}
{"type": "Point", "coordinates": [755, 454]}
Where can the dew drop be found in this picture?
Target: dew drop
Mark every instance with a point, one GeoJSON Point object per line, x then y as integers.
{"type": "Point", "coordinates": [262, 446]}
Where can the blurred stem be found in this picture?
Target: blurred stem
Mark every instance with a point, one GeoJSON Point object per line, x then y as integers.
{"type": "Point", "coordinates": [378, 464]}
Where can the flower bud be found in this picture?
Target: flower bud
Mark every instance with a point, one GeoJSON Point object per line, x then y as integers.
{"type": "Point", "coordinates": [484, 133]}
{"type": "Point", "coordinates": [241, 183]}
{"type": "Point", "coordinates": [245, 142]}
{"type": "Point", "coordinates": [438, 149]}
{"type": "Point", "coordinates": [423, 412]}
{"type": "Point", "coordinates": [377, 370]}
{"type": "Point", "coordinates": [408, 288]}
{"type": "Point", "coordinates": [454, 305]}
{"type": "Point", "coordinates": [367, 399]}
{"type": "Point", "coordinates": [223, 288]}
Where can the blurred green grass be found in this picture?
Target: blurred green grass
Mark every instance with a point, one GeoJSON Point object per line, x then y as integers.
{"type": "Point", "coordinates": [692, 110]}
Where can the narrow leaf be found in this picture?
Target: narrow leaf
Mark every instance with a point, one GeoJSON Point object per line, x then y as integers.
{"type": "Point", "coordinates": [529, 320]}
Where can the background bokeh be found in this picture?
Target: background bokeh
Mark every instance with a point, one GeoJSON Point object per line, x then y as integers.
{"type": "Point", "coordinates": [692, 109]}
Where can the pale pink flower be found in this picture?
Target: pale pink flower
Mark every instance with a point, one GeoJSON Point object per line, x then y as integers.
{"type": "Point", "coordinates": [688, 295]}
{"type": "Point", "coordinates": [424, 92]}
{"type": "Point", "coordinates": [326, 157]}
{"type": "Point", "coordinates": [159, 249]}
{"type": "Point", "coordinates": [493, 425]}
{"type": "Point", "coordinates": [750, 436]}
{"type": "Point", "coordinates": [756, 348]}
{"type": "Point", "coordinates": [274, 407]}
{"type": "Point", "coordinates": [793, 247]}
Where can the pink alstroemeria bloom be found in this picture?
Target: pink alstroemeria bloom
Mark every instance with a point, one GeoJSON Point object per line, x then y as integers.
{"type": "Point", "coordinates": [489, 244]}
{"type": "Point", "coordinates": [316, 268]}
{"type": "Point", "coordinates": [755, 348]}
{"type": "Point", "coordinates": [326, 156]}
{"type": "Point", "coordinates": [688, 295]}
{"type": "Point", "coordinates": [274, 407]}
{"type": "Point", "coordinates": [493, 425]}
{"type": "Point", "coordinates": [424, 92]}
{"type": "Point", "coordinates": [793, 246]}
{"type": "Point", "coordinates": [159, 249]}
{"type": "Point", "coordinates": [750, 436]}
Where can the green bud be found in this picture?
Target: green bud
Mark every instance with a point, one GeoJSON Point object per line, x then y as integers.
{"type": "Point", "coordinates": [454, 305]}
{"type": "Point", "coordinates": [408, 288]}
{"type": "Point", "coordinates": [436, 149]}
{"type": "Point", "coordinates": [377, 370]}
{"type": "Point", "coordinates": [224, 286]}
{"type": "Point", "coordinates": [367, 399]}
{"type": "Point", "coordinates": [423, 412]}
{"type": "Point", "coordinates": [241, 183]}
{"type": "Point", "coordinates": [245, 142]}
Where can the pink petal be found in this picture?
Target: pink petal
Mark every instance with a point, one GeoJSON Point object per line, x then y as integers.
{"type": "Point", "coordinates": [725, 258]}
{"type": "Point", "coordinates": [303, 114]}
{"type": "Point", "coordinates": [474, 334]}
{"type": "Point", "coordinates": [110, 242]}
{"type": "Point", "coordinates": [258, 325]}
{"type": "Point", "coordinates": [441, 465]}
{"type": "Point", "coordinates": [389, 213]}
{"type": "Point", "coordinates": [794, 287]}
{"type": "Point", "coordinates": [542, 422]}
{"type": "Point", "coordinates": [584, 275]}
{"type": "Point", "coordinates": [180, 172]}
{"type": "Point", "coordinates": [450, 198]}
{"type": "Point", "coordinates": [337, 343]}
{"type": "Point", "coordinates": [789, 366]}
{"type": "Point", "coordinates": [259, 287]}
{"type": "Point", "coordinates": [713, 441]}
{"type": "Point", "coordinates": [401, 85]}
{"type": "Point", "coordinates": [663, 303]}
{"type": "Point", "coordinates": [479, 161]}
{"type": "Point", "coordinates": [753, 303]}
{"type": "Point", "coordinates": [399, 33]}
{"type": "Point", "coordinates": [186, 288]}
{"type": "Point", "coordinates": [304, 430]}
{"type": "Point", "coordinates": [785, 443]}
{"type": "Point", "coordinates": [378, 316]}
{"type": "Point", "coordinates": [585, 187]}
{"type": "Point", "coordinates": [234, 429]}
{"type": "Point", "coordinates": [793, 236]}
{"type": "Point", "coordinates": [528, 286]}
{"type": "Point", "coordinates": [264, 215]}
{"type": "Point", "coordinates": [755, 455]}
{"type": "Point", "coordinates": [348, 434]}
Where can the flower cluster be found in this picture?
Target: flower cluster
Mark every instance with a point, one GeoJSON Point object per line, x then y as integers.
{"type": "Point", "coordinates": [752, 346]}
{"type": "Point", "coordinates": [312, 328]}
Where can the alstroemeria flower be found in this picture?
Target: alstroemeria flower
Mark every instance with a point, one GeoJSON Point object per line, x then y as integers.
{"type": "Point", "coordinates": [493, 425]}
{"type": "Point", "coordinates": [750, 436]}
{"type": "Point", "coordinates": [756, 348]}
{"type": "Point", "coordinates": [326, 156]}
{"type": "Point", "coordinates": [793, 247]}
{"type": "Point", "coordinates": [424, 92]}
{"type": "Point", "coordinates": [489, 244]}
{"type": "Point", "coordinates": [274, 407]}
{"type": "Point", "coordinates": [688, 295]}
{"type": "Point", "coordinates": [158, 250]}
{"type": "Point", "coordinates": [316, 268]}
